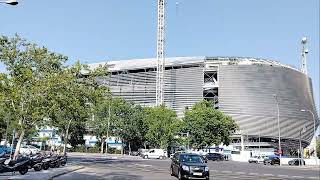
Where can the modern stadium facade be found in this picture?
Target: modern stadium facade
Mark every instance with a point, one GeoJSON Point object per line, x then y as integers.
{"type": "Point", "coordinates": [250, 90]}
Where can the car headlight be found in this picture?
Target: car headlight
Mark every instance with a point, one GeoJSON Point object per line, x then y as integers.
{"type": "Point", "coordinates": [186, 168]}
{"type": "Point", "coordinates": [206, 169]}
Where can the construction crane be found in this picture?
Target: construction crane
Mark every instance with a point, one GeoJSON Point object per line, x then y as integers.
{"type": "Point", "coordinates": [304, 53]}
{"type": "Point", "coordinates": [160, 53]}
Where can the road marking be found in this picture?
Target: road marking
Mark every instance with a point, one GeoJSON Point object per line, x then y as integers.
{"type": "Point", "coordinates": [268, 174]}
{"type": "Point", "coordinates": [226, 171]}
{"type": "Point", "coordinates": [300, 177]}
{"type": "Point", "coordinates": [253, 174]}
{"type": "Point", "coordinates": [214, 170]}
{"type": "Point", "coordinates": [283, 175]}
{"type": "Point", "coordinates": [313, 177]}
{"type": "Point", "coordinates": [143, 165]}
{"type": "Point", "coordinates": [240, 172]}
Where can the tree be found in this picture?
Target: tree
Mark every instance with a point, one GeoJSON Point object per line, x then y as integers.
{"type": "Point", "coordinates": [162, 125]}
{"type": "Point", "coordinates": [100, 122]}
{"type": "Point", "coordinates": [39, 90]}
{"type": "Point", "coordinates": [76, 88]}
{"type": "Point", "coordinates": [26, 82]}
{"type": "Point", "coordinates": [128, 121]}
{"type": "Point", "coordinates": [208, 126]}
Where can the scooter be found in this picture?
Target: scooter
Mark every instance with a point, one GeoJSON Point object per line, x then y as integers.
{"type": "Point", "coordinates": [36, 162]}
{"type": "Point", "coordinates": [46, 161]}
{"type": "Point", "coordinates": [63, 160]}
{"type": "Point", "coordinates": [8, 165]}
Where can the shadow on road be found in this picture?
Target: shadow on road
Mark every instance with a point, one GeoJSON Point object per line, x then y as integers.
{"type": "Point", "coordinates": [110, 176]}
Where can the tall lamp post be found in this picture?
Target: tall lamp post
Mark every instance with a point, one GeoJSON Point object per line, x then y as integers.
{"type": "Point", "coordinates": [279, 138]}
{"type": "Point", "coordinates": [10, 2]}
{"type": "Point", "coordinates": [314, 132]}
{"type": "Point", "coordinates": [303, 129]}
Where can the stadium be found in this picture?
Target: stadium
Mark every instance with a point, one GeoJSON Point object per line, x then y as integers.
{"type": "Point", "coordinates": [250, 90]}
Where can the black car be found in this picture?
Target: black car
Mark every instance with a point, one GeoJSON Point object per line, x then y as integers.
{"type": "Point", "coordinates": [189, 166]}
{"type": "Point", "coordinates": [295, 162]}
{"type": "Point", "coordinates": [215, 157]}
{"type": "Point", "coordinates": [271, 160]}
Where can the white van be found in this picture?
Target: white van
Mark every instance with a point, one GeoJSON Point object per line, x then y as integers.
{"type": "Point", "coordinates": [155, 154]}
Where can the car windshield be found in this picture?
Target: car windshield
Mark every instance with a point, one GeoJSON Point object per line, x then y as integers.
{"type": "Point", "coordinates": [191, 158]}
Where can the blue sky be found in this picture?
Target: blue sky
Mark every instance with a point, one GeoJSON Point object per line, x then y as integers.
{"type": "Point", "coordinates": [126, 29]}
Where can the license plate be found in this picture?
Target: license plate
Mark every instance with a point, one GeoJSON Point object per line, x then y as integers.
{"type": "Point", "coordinates": [197, 174]}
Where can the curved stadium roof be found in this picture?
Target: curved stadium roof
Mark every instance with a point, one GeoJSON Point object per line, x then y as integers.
{"type": "Point", "coordinates": [133, 64]}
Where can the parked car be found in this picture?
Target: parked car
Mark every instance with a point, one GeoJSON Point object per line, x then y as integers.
{"type": "Point", "coordinates": [214, 156]}
{"type": "Point", "coordinates": [256, 159]}
{"type": "Point", "coordinates": [6, 149]}
{"type": "Point", "coordinates": [295, 162]}
{"type": "Point", "coordinates": [188, 166]}
{"type": "Point", "coordinates": [271, 160]}
{"type": "Point", "coordinates": [28, 149]}
{"type": "Point", "coordinates": [155, 154]}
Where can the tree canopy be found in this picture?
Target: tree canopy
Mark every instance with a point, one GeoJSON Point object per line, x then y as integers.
{"type": "Point", "coordinates": [39, 90]}
{"type": "Point", "coordinates": [208, 126]}
{"type": "Point", "coordinates": [163, 126]}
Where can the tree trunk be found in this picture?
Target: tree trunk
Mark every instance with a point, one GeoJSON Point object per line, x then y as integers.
{"type": "Point", "coordinates": [129, 148]}
{"type": "Point", "coordinates": [66, 138]}
{"type": "Point", "coordinates": [122, 147]}
{"type": "Point", "coordinates": [19, 144]}
{"type": "Point", "coordinates": [102, 145]}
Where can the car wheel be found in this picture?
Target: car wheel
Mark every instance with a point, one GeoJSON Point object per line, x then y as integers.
{"type": "Point", "coordinates": [145, 157]}
{"type": "Point", "coordinates": [180, 176]}
{"type": "Point", "coordinates": [171, 171]}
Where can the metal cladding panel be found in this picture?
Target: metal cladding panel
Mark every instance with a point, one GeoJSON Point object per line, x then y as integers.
{"type": "Point", "coordinates": [246, 92]}
{"type": "Point", "coordinates": [183, 87]}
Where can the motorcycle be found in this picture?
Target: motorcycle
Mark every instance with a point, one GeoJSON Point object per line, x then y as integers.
{"type": "Point", "coordinates": [8, 165]}
{"type": "Point", "coordinates": [63, 160]}
{"type": "Point", "coordinates": [36, 162]}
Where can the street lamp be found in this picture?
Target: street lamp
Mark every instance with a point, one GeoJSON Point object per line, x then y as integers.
{"type": "Point", "coordinates": [279, 139]}
{"type": "Point", "coordinates": [314, 132]}
{"type": "Point", "coordinates": [303, 129]}
{"type": "Point", "coordinates": [10, 2]}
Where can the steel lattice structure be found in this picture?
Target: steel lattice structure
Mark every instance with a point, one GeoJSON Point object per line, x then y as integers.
{"type": "Point", "coordinates": [160, 53]}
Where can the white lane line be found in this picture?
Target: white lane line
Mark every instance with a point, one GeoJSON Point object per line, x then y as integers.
{"type": "Point", "coordinates": [143, 165]}
{"type": "Point", "coordinates": [253, 174]}
{"type": "Point", "coordinates": [268, 174]}
{"type": "Point", "coordinates": [299, 177]}
{"type": "Point", "coordinates": [282, 175]}
{"type": "Point", "coordinates": [240, 172]}
{"type": "Point", "coordinates": [226, 171]}
{"type": "Point", "coordinates": [214, 170]}
{"type": "Point", "coordinates": [313, 178]}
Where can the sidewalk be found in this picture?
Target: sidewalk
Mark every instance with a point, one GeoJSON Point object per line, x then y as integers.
{"type": "Point", "coordinates": [44, 174]}
{"type": "Point", "coordinates": [112, 156]}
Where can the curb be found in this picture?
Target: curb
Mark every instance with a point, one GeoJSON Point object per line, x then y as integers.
{"type": "Point", "coordinates": [66, 172]}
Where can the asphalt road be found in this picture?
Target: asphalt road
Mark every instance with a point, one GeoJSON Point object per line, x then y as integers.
{"type": "Point", "coordinates": [140, 169]}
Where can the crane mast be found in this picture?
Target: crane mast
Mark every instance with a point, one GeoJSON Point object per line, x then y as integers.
{"type": "Point", "coordinates": [160, 53]}
{"type": "Point", "coordinates": [304, 53]}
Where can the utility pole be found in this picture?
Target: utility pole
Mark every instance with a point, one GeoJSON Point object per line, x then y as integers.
{"type": "Point", "coordinates": [160, 53]}
{"type": "Point", "coordinates": [279, 131]}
